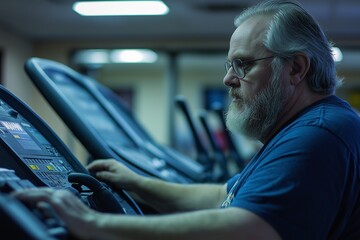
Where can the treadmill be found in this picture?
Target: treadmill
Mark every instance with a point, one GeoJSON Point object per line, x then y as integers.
{"type": "Point", "coordinates": [105, 127]}
{"type": "Point", "coordinates": [32, 155]}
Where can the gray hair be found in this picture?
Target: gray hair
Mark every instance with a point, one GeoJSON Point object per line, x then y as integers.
{"type": "Point", "coordinates": [292, 29]}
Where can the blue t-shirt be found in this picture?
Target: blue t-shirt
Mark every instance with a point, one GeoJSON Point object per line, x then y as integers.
{"type": "Point", "coordinates": [305, 181]}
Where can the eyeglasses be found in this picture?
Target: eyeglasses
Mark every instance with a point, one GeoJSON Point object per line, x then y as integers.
{"type": "Point", "coordinates": [239, 66]}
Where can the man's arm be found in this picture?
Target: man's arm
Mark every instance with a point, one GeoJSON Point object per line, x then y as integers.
{"type": "Point", "coordinates": [162, 196]}
{"type": "Point", "coordinates": [85, 223]}
{"type": "Point", "coordinates": [172, 197]}
{"type": "Point", "coordinates": [229, 223]}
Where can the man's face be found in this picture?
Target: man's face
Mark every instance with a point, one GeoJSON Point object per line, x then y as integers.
{"type": "Point", "coordinates": [255, 118]}
{"type": "Point", "coordinates": [257, 98]}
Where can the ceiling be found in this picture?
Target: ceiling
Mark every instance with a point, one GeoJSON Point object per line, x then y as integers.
{"type": "Point", "coordinates": [188, 20]}
{"type": "Point", "coordinates": [199, 25]}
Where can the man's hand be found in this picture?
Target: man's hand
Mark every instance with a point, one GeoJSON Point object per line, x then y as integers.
{"type": "Point", "coordinates": [77, 217]}
{"type": "Point", "coordinates": [115, 173]}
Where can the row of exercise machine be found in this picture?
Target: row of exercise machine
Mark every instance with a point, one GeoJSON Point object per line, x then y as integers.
{"type": "Point", "coordinates": [32, 154]}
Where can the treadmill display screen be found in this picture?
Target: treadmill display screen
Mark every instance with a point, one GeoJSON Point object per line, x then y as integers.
{"type": "Point", "coordinates": [21, 136]}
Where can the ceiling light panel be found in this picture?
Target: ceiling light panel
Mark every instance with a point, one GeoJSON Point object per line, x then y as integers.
{"type": "Point", "coordinates": [116, 8]}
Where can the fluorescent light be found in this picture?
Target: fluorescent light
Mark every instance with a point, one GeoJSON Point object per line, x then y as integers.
{"type": "Point", "coordinates": [337, 54]}
{"type": "Point", "coordinates": [133, 56]}
{"type": "Point", "coordinates": [111, 8]}
{"type": "Point", "coordinates": [92, 56]}
{"type": "Point", "coordinates": [106, 56]}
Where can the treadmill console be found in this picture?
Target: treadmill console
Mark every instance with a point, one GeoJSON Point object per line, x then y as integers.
{"type": "Point", "coordinates": [98, 126]}
{"type": "Point", "coordinates": [31, 148]}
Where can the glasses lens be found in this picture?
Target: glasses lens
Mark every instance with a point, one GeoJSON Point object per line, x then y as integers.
{"type": "Point", "coordinates": [227, 66]}
{"type": "Point", "coordinates": [238, 67]}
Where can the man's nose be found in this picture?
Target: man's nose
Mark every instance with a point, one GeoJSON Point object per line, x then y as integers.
{"type": "Point", "coordinates": [230, 79]}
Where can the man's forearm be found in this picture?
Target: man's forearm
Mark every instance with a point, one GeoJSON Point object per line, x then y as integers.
{"type": "Point", "coordinates": [173, 197]}
{"type": "Point", "coordinates": [231, 223]}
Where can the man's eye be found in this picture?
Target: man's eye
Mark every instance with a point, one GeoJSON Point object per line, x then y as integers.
{"type": "Point", "coordinates": [248, 66]}
{"type": "Point", "coordinates": [238, 64]}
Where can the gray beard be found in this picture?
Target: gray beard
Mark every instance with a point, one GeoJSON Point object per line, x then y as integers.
{"type": "Point", "coordinates": [258, 116]}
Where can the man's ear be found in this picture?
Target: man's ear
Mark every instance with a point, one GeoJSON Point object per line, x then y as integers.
{"type": "Point", "coordinates": [300, 67]}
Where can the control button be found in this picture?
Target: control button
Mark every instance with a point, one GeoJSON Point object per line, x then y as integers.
{"type": "Point", "coordinates": [50, 168]}
{"type": "Point", "coordinates": [34, 167]}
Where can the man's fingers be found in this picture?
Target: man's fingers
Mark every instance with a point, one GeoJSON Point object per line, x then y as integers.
{"type": "Point", "coordinates": [36, 194]}
{"type": "Point", "coordinates": [100, 164]}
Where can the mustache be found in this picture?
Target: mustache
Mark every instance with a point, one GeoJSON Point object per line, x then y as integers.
{"type": "Point", "coordinates": [235, 94]}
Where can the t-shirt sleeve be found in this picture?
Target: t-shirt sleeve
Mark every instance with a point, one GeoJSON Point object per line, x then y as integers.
{"type": "Point", "coordinates": [297, 184]}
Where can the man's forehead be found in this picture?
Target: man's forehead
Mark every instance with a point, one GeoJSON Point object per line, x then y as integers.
{"type": "Point", "coordinates": [248, 37]}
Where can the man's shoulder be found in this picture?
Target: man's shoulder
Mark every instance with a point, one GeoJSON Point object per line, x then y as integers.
{"type": "Point", "coordinates": [332, 113]}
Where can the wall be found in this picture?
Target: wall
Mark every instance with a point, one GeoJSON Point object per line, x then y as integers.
{"type": "Point", "coordinates": [15, 52]}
